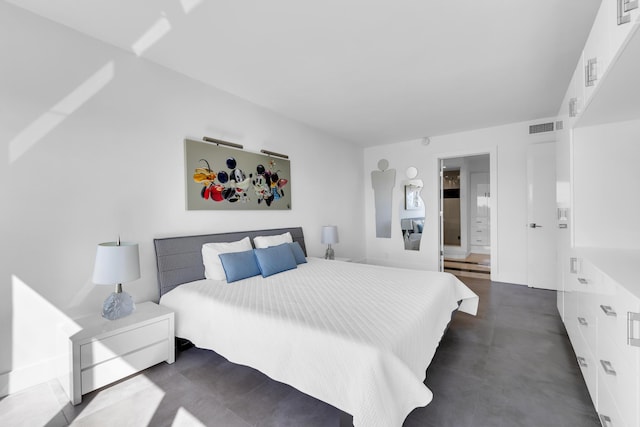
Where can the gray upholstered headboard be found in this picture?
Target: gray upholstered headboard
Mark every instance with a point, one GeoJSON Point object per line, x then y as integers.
{"type": "Point", "coordinates": [179, 259]}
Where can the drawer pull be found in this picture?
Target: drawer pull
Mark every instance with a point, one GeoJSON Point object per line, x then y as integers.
{"type": "Point", "coordinates": [583, 280]}
{"type": "Point", "coordinates": [608, 310]}
{"type": "Point", "coordinates": [583, 321]}
{"type": "Point", "coordinates": [582, 362]}
{"type": "Point", "coordinates": [606, 420]}
{"type": "Point", "coordinates": [608, 367]}
{"type": "Point", "coordinates": [632, 318]}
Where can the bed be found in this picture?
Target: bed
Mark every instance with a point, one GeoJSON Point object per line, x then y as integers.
{"type": "Point", "coordinates": [359, 337]}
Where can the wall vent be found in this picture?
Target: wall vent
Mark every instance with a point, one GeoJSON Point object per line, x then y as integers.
{"type": "Point", "coordinates": [542, 127]}
{"type": "Point", "coordinates": [559, 125]}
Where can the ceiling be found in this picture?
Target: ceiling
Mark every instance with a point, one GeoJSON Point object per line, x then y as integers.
{"type": "Point", "coordinates": [367, 71]}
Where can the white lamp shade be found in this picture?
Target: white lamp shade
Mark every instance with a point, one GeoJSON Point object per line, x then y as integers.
{"type": "Point", "coordinates": [116, 264]}
{"type": "Point", "coordinates": [330, 234]}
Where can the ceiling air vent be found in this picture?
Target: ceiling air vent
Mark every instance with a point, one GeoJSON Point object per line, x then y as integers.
{"type": "Point", "coordinates": [542, 127]}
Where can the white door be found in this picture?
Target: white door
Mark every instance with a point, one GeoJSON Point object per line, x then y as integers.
{"type": "Point", "coordinates": [541, 216]}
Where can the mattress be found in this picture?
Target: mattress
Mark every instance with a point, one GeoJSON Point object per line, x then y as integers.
{"type": "Point", "coordinates": [359, 337]}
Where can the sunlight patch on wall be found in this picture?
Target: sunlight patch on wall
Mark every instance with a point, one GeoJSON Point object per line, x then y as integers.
{"type": "Point", "coordinates": [158, 30]}
{"type": "Point", "coordinates": [39, 344]}
{"type": "Point", "coordinates": [189, 5]}
{"type": "Point", "coordinates": [44, 124]}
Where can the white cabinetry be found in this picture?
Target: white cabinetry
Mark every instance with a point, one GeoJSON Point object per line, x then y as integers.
{"type": "Point", "coordinates": [622, 17]}
{"type": "Point", "coordinates": [479, 230]}
{"type": "Point", "coordinates": [597, 51]}
{"type": "Point", "coordinates": [104, 351]}
{"type": "Point", "coordinates": [606, 41]}
{"type": "Point", "coordinates": [599, 297]}
{"type": "Point", "coordinates": [602, 327]}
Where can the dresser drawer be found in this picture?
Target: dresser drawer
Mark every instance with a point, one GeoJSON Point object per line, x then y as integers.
{"type": "Point", "coordinates": [587, 365]}
{"type": "Point", "coordinates": [120, 344]}
{"type": "Point", "coordinates": [479, 235]}
{"type": "Point", "coordinates": [615, 353]}
{"type": "Point", "coordinates": [613, 313]}
{"type": "Point", "coordinates": [607, 410]}
{"type": "Point", "coordinates": [480, 220]}
{"type": "Point", "coordinates": [480, 241]}
{"type": "Point", "coordinates": [112, 370]}
{"type": "Point", "coordinates": [571, 312]}
{"type": "Point", "coordinates": [620, 377]}
{"type": "Point", "coordinates": [589, 278]}
{"type": "Point", "coordinates": [586, 319]}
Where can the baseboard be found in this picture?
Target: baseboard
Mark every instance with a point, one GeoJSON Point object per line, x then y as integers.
{"type": "Point", "coordinates": [23, 378]}
{"type": "Point", "coordinates": [4, 384]}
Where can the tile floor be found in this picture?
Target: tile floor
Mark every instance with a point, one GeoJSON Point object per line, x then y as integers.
{"type": "Point", "coordinates": [512, 365]}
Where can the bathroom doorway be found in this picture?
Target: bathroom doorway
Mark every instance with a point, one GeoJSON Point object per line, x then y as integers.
{"type": "Point", "coordinates": [466, 216]}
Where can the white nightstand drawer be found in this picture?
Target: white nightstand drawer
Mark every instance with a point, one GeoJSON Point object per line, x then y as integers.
{"type": "Point", "coordinates": [116, 345]}
{"type": "Point", "coordinates": [103, 351]}
{"type": "Point", "coordinates": [115, 369]}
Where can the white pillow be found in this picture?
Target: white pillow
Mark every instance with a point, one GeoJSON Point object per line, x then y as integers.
{"type": "Point", "coordinates": [262, 242]}
{"type": "Point", "coordinates": [212, 265]}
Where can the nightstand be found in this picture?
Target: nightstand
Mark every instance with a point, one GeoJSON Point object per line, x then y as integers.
{"type": "Point", "coordinates": [104, 351]}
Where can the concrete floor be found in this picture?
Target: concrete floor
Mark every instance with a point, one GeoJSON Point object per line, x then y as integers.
{"type": "Point", "coordinates": [512, 365]}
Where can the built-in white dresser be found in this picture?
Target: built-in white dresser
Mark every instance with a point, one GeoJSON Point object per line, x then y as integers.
{"type": "Point", "coordinates": [602, 318]}
{"type": "Point", "coordinates": [597, 204]}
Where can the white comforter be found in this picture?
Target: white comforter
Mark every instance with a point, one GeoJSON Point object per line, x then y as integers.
{"type": "Point", "coordinates": [359, 337]}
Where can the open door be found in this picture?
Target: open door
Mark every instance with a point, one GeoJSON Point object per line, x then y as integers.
{"type": "Point", "coordinates": [465, 219]}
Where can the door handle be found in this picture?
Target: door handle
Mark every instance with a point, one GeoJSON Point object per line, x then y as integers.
{"type": "Point", "coordinates": [534, 225]}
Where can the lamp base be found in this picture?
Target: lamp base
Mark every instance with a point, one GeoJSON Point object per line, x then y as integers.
{"type": "Point", "coordinates": [329, 254]}
{"type": "Point", "coordinates": [117, 305]}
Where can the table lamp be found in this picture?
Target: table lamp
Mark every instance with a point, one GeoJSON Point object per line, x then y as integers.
{"type": "Point", "coordinates": [329, 237]}
{"type": "Point", "coordinates": [116, 263]}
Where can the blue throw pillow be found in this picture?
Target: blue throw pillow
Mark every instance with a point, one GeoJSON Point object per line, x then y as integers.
{"type": "Point", "coordinates": [298, 253]}
{"type": "Point", "coordinates": [275, 259]}
{"type": "Point", "coordinates": [239, 265]}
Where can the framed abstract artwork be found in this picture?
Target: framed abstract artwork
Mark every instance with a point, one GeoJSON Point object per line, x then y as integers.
{"type": "Point", "coordinates": [223, 178]}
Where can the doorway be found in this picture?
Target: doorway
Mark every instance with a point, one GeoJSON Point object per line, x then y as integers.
{"type": "Point", "coordinates": [465, 212]}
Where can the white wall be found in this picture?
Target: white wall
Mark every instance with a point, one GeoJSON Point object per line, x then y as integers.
{"type": "Point", "coordinates": [93, 148]}
{"type": "Point", "coordinates": [507, 146]}
{"type": "Point", "coordinates": [605, 175]}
